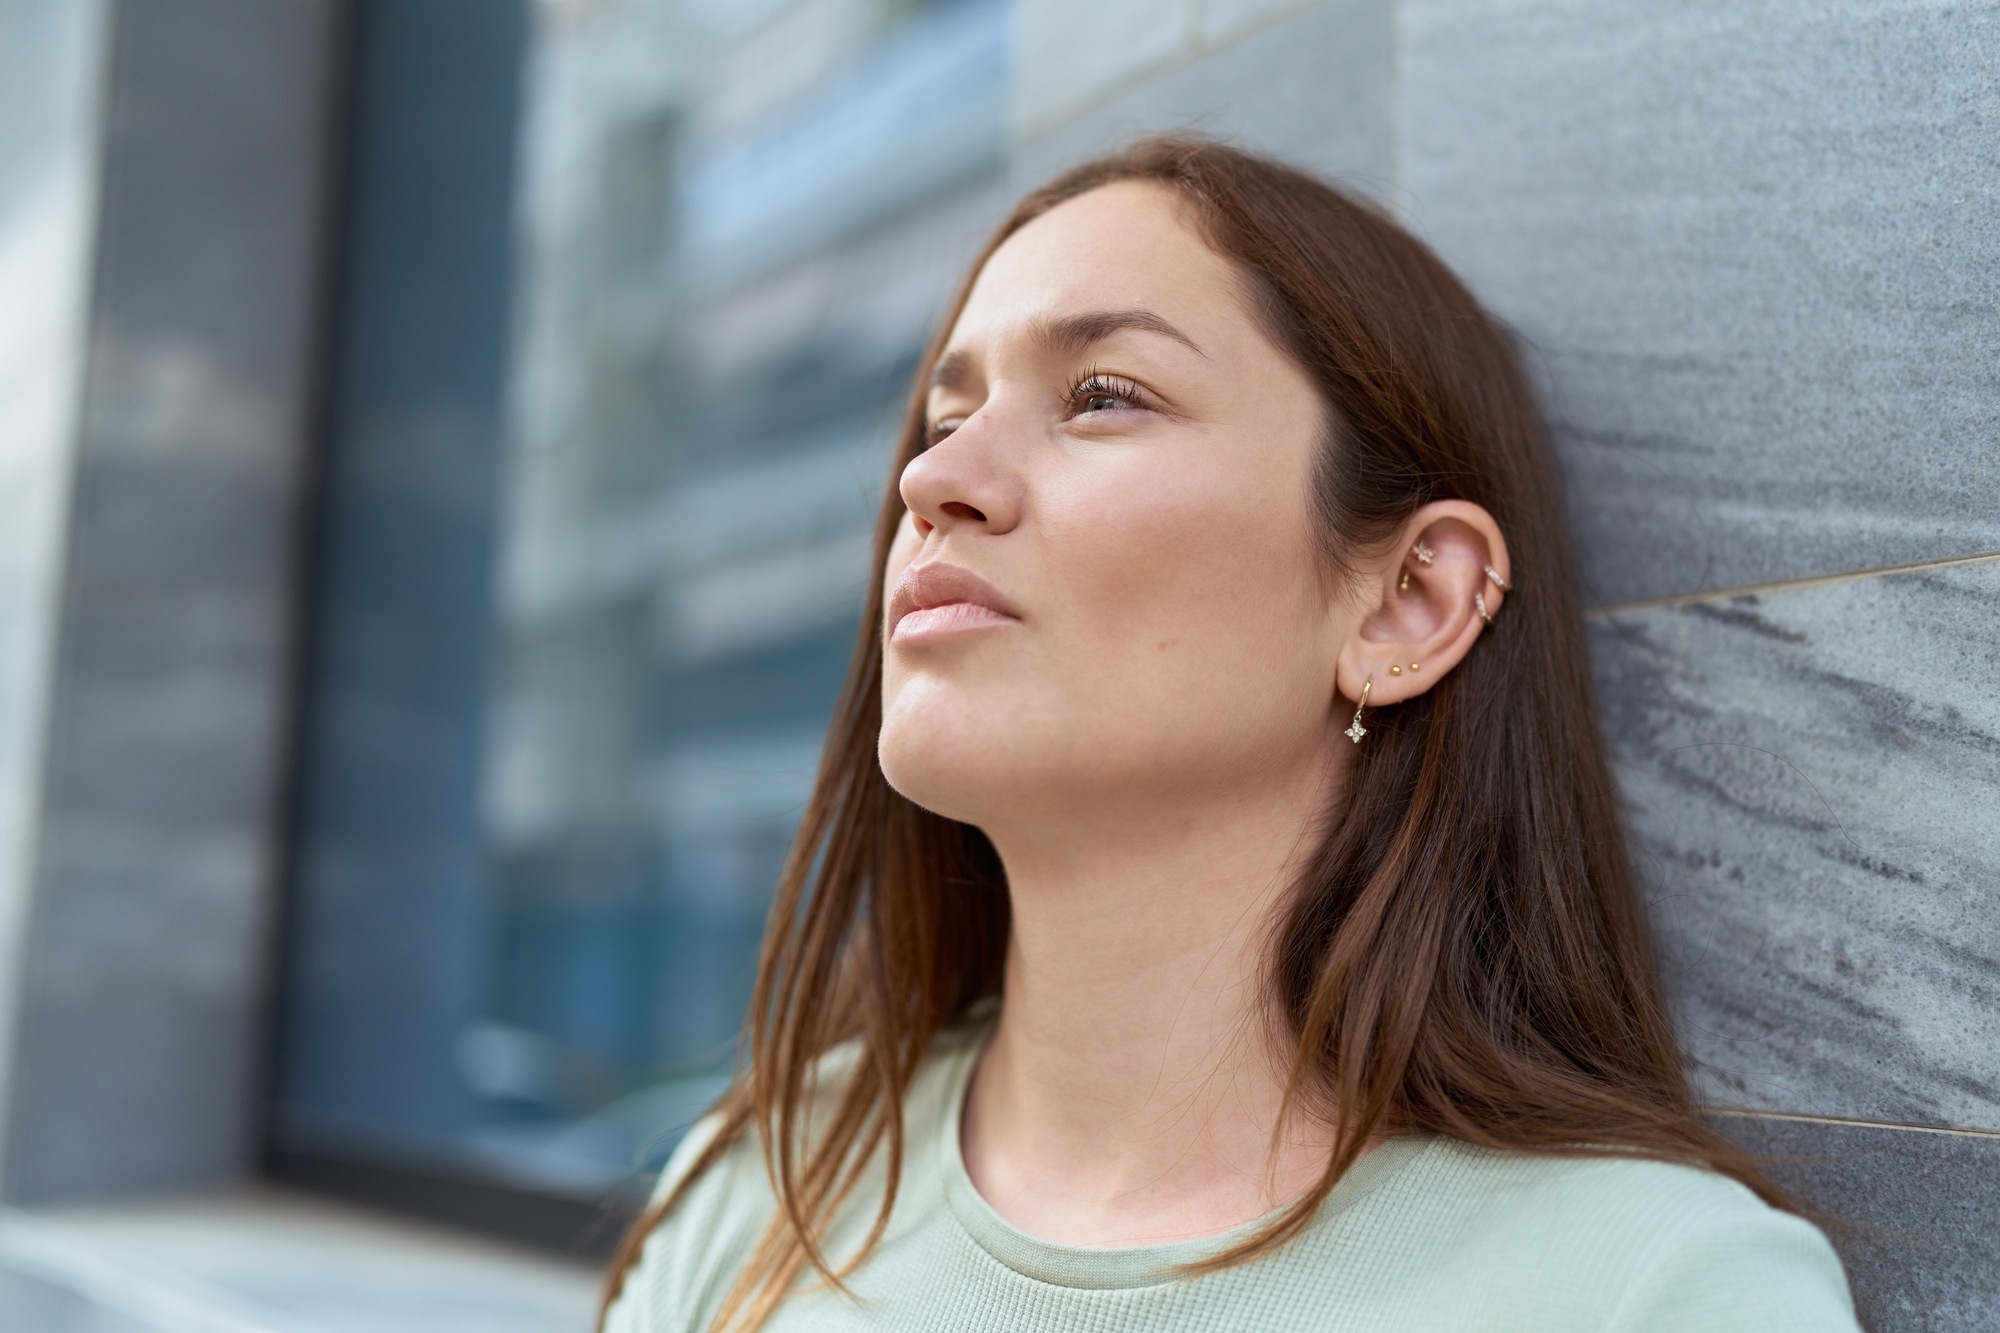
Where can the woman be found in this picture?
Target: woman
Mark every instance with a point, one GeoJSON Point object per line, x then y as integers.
{"type": "Point", "coordinates": [1212, 911]}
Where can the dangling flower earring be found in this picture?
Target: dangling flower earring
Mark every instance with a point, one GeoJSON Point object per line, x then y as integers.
{"type": "Point", "coordinates": [1355, 731]}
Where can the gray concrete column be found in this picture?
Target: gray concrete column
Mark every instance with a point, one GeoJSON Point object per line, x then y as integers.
{"type": "Point", "coordinates": [141, 979]}
{"type": "Point", "coordinates": [51, 58]}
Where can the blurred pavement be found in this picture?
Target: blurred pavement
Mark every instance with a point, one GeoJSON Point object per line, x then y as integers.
{"type": "Point", "coordinates": [273, 1261]}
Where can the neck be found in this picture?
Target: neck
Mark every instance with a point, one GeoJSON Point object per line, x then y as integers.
{"type": "Point", "coordinates": [1133, 1087]}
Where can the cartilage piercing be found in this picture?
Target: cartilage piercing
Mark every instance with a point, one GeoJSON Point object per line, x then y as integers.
{"type": "Point", "coordinates": [1479, 602]}
{"type": "Point", "coordinates": [1423, 553]}
{"type": "Point", "coordinates": [1498, 582]}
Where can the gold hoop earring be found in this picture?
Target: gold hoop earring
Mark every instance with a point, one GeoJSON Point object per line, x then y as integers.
{"type": "Point", "coordinates": [1498, 582]}
{"type": "Point", "coordinates": [1479, 603]}
{"type": "Point", "coordinates": [1355, 731]}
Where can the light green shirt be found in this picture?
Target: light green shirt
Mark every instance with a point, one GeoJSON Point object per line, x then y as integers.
{"type": "Point", "coordinates": [1425, 1234]}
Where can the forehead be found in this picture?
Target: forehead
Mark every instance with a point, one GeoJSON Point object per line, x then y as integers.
{"type": "Point", "coordinates": [1123, 246]}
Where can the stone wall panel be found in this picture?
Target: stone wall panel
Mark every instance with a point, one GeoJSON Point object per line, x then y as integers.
{"type": "Point", "coordinates": [1755, 247]}
{"type": "Point", "coordinates": [1814, 783]}
{"type": "Point", "coordinates": [1313, 89]}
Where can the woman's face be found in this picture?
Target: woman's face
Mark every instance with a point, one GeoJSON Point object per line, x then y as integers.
{"type": "Point", "coordinates": [1106, 588]}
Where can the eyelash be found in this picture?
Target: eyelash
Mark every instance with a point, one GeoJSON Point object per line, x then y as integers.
{"type": "Point", "coordinates": [1096, 383]}
{"type": "Point", "coordinates": [1093, 383]}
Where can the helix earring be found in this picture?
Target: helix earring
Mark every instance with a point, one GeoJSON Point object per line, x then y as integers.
{"type": "Point", "coordinates": [1479, 603]}
{"type": "Point", "coordinates": [1498, 582]}
{"type": "Point", "coordinates": [1423, 553]}
{"type": "Point", "coordinates": [1355, 731]}
{"type": "Point", "coordinates": [1404, 586]}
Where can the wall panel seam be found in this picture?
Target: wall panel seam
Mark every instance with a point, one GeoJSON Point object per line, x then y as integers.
{"type": "Point", "coordinates": [1844, 1123]}
{"type": "Point", "coordinates": [1786, 585]}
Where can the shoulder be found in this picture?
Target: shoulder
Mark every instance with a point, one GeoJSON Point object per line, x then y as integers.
{"type": "Point", "coordinates": [690, 1260]}
{"type": "Point", "coordinates": [1643, 1246]}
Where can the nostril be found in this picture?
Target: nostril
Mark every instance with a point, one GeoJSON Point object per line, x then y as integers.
{"type": "Point", "coordinates": [957, 510]}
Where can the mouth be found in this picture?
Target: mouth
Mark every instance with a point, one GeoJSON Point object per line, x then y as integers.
{"type": "Point", "coordinates": [937, 601]}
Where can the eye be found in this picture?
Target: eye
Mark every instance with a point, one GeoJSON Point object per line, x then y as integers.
{"type": "Point", "coordinates": [937, 430]}
{"type": "Point", "coordinates": [1097, 392]}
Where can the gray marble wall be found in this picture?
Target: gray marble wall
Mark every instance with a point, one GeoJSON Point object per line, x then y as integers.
{"type": "Point", "coordinates": [1754, 250]}
{"type": "Point", "coordinates": [141, 987]}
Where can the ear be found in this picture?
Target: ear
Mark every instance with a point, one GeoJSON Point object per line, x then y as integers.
{"type": "Point", "coordinates": [1421, 602]}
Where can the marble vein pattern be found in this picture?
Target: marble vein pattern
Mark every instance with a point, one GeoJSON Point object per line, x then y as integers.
{"type": "Point", "coordinates": [1813, 783]}
{"type": "Point", "coordinates": [1753, 248]}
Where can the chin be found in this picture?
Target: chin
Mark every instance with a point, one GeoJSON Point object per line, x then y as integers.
{"type": "Point", "coordinates": [941, 774]}
{"type": "Point", "coordinates": [952, 759]}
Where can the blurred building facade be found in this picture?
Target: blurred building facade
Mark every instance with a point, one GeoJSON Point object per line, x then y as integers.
{"type": "Point", "coordinates": [438, 447]}
{"type": "Point", "coordinates": [524, 942]}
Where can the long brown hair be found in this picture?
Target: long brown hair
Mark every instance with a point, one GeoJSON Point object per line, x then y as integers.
{"type": "Point", "coordinates": [1467, 954]}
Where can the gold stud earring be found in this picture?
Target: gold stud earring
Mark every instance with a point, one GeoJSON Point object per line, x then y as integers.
{"type": "Point", "coordinates": [1423, 553]}
{"type": "Point", "coordinates": [1416, 666]}
{"type": "Point", "coordinates": [1479, 602]}
{"type": "Point", "coordinates": [1395, 671]}
{"type": "Point", "coordinates": [1355, 731]}
{"type": "Point", "coordinates": [1498, 582]}
{"type": "Point", "coordinates": [1404, 586]}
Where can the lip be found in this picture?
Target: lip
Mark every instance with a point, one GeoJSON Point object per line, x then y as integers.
{"type": "Point", "coordinates": [937, 600]}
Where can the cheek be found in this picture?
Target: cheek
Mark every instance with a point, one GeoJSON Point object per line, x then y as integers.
{"type": "Point", "coordinates": [1197, 583]}
{"type": "Point", "coordinates": [1187, 641]}
{"type": "Point", "coordinates": [1177, 642]}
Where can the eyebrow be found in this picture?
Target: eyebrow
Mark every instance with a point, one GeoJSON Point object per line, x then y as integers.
{"type": "Point", "coordinates": [1067, 335]}
{"type": "Point", "coordinates": [1073, 333]}
{"type": "Point", "coordinates": [954, 370]}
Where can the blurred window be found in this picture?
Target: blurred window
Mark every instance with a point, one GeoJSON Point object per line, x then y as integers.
{"type": "Point", "coordinates": [631, 290]}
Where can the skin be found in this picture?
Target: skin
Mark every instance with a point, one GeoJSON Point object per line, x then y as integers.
{"type": "Point", "coordinates": [1146, 716]}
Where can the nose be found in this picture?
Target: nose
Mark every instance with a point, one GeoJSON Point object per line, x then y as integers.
{"type": "Point", "coordinates": [964, 481]}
